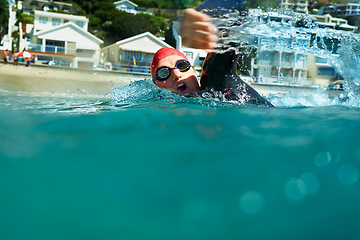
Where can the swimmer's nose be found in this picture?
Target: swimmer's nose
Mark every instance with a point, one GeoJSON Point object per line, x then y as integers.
{"type": "Point", "coordinates": [176, 74]}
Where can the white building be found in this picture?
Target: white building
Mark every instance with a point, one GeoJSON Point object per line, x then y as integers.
{"type": "Point", "coordinates": [278, 62]}
{"type": "Point", "coordinates": [286, 61]}
{"type": "Point", "coordinates": [296, 5]}
{"type": "Point", "coordinates": [349, 9]}
{"type": "Point", "coordinates": [6, 41]}
{"type": "Point", "coordinates": [128, 6]}
{"type": "Point", "coordinates": [132, 54]}
{"type": "Point", "coordinates": [29, 6]}
{"type": "Point", "coordinates": [63, 39]}
{"type": "Point", "coordinates": [332, 22]}
{"type": "Point", "coordinates": [48, 20]}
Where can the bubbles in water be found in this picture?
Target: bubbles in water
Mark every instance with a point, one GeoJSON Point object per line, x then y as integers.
{"type": "Point", "coordinates": [348, 174]}
{"type": "Point", "coordinates": [338, 157]}
{"type": "Point", "coordinates": [295, 190]}
{"type": "Point", "coordinates": [251, 202]}
{"type": "Point", "coordinates": [311, 183]}
{"type": "Point", "coordinates": [322, 159]}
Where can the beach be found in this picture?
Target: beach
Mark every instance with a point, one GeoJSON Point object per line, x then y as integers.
{"type": "Point", "coordinates": [54, 80]}
{"type": "Point", "coordinates": [74, 81]}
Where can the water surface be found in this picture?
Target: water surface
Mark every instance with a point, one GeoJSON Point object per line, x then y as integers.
{"type": "Point", "coordinates": [158, 165]}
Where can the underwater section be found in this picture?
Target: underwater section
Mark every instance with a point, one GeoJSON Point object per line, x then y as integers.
{"type": "Point", "coordinates": [172, 168]}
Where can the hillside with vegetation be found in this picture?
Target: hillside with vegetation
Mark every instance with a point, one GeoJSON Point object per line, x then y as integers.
{"type": "Point", "coordinates": [4, 16]}
{"type": "Point", "coordinates": [111, 25]}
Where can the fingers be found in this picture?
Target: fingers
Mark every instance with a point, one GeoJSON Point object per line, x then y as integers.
{"type": "Point", "coordinates": [199, 39]}
{"type": "Point", "coordinates": [206, 27]}
{"type": "Point", "coordinates": [197, 31]}
{"type": "Point", "coordinates": [191, 14]}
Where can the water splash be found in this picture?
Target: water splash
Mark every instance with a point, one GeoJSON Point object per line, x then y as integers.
{"type": "Point", "coordinates": [144, 93]}
{"type": "Point", "coordinates": [273, 31]}
{"type": "Point", "coordinates": [276, 30]}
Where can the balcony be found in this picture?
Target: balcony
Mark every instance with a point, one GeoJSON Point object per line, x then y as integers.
{"type": "Point", "coordinates": [286, 64]}
{"type": "Point", "coordinates": [51, 49]}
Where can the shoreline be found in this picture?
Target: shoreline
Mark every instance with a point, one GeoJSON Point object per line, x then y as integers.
{"type": "Point", "coordinates": [56, 80]}
{"type": "Point", "coordinates": [72, 81]}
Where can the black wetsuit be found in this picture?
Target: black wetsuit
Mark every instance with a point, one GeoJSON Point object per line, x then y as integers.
{"type": "Point", "coordinates": [219, 75]}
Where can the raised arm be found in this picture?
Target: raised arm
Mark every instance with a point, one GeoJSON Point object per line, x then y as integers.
{"type": "Point", "coordinates": [197, 31]}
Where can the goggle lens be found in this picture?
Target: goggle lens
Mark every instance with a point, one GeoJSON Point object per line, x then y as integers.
{"type": "Point", "coordinates": [164, 72]}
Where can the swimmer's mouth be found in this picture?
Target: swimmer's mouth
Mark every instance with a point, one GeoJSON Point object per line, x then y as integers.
{"type": "Point", "coordinates": [182, 88]}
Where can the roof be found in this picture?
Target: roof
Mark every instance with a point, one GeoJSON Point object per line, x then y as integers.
{"type": "Point", "coordinates": [125, 1]}
{"type": "Point", "coordinates": [71, 25]}
{"type": "Point", "coordinates": [131, 44]}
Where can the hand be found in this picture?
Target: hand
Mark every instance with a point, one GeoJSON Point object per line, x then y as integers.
{"type": "Point", "coordinates": [197, 31]}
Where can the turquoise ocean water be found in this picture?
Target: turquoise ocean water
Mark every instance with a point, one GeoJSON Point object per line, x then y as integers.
{"type": "Point", "coordinates": [148, 164]}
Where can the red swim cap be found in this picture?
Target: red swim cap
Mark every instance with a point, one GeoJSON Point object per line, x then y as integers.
{"type": "Point", "coordinates": [163, 53]}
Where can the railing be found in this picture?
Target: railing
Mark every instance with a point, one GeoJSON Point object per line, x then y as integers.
{"type": "Point", "coordinates": [130, 68]}
{"type": "Point", "coordinates": [55, 49]}
{"type": "Point", "coordinates": [50, 48]}
{"type": "Point", "coordinates": [286, 64]}
{"type": "Point", "coordinates": [283, 81]}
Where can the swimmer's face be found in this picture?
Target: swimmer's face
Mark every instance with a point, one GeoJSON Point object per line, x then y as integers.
{"type": "Point", "coordinates": [184, 83]}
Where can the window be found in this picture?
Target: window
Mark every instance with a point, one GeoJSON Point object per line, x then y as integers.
{"type": "Point", "coordinates": [56, 21]}
{"type": "Point", "coordinates": [326, 71]}
{"type": "Point", "coordinates": [189, 55]}
{"type": "Point", "coordinates": [287, 57]}
{"type": "Point", "coordinates": [285, 42]}
{"type": "Point", "coordinates": [321, 60]}
{"type": "Point", "coordinates": [43, 20]}
{"type": "Point", "coordinates": [267, 41]}
{"type": "Point", "coordinates": [302, 42]}
{"type": "Point", "coordinates": [265, 56]}
{"type": "Point", "coordinates": [80, 24]}
{"type": "Point", "coordinates": [139, 56]}
{"type": "Point", "coordinates": [301, 61]}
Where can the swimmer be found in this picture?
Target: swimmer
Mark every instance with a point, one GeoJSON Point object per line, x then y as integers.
{"type": "Point", "coordinates": [171, 69]}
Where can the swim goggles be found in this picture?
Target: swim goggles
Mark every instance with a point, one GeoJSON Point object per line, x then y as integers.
{"type": "Point", "coordinates": [164, 72]}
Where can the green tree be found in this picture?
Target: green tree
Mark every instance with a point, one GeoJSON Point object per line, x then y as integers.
{"type": "Point", "coordinates": [146, 4]}
{"type": "Point", "coordinates": [124, 25]}
{"type": "Point", "coordinates": [4, 14]}
{"type": "Point", "coordinates": [262, 3]}
{"type": "Point", "coordinates": [24, 17]}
